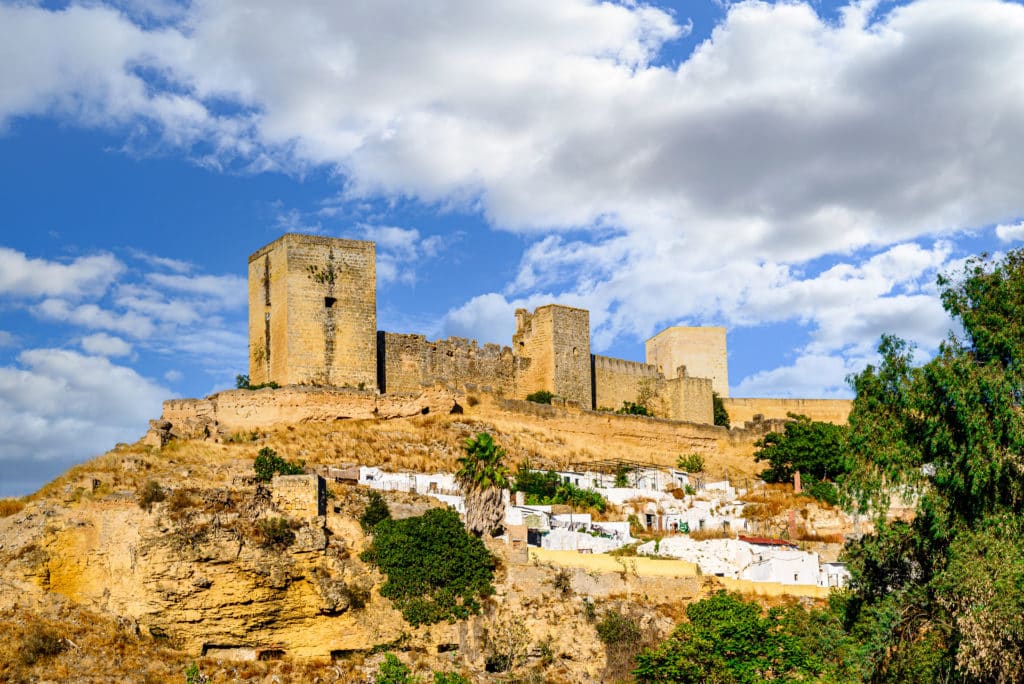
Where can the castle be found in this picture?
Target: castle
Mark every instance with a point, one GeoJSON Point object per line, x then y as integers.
{"type": "Point", "coordinates": [313, 321]}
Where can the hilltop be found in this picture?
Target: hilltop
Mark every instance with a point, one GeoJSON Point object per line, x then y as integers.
{"type": "Point", "coordinates": [193, 574]}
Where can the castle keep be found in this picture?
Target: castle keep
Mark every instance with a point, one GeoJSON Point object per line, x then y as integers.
{"type": "Point", "coordinates": [313, 321]}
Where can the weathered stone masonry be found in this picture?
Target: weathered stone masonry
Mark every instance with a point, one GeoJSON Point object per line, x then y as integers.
{"type": "Point", "coordinates": [313, 316]}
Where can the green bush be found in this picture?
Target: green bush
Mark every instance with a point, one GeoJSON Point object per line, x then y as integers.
{"type": "Point", "coordinates": [729, 639]}
{"type": "Point", "coordinates": [721, 415]}
{"type": "Point", "coordinates": [540, 397]}
{"type": "Point", "coordinates": [275, 533]}
{"type": "Point", "coordinates": [822, 491]}
{"type": "Point", "coordinates": [394, 671]}
{"type": "Point", "coordinates": [268, 464]}
{"type": "Point", "coordinates": [631, 408]}
{"type": "Point", "coordinates": [436, 570]}
{"type": "Point", "coordinates": [546, 487]}
{"type": "Point", "coordinates": [150, 494]}
{"type": "Point", "coordinates": [615, 628]}
{"type": "Point", "coordinates": [40, 645]}
{"type": "Point", "coordinates": [449, 678]}
{"type": "Point", "coordinates": [242, 382]}
{"type": "Point", "coordinates": [376, 510]}
{"type": "Point", "coordinates": [622, 475]}
{"type": "Point", "coordinates": [691, 463]}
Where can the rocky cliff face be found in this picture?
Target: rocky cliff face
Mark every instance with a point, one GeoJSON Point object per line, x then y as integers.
{"type": "Point", "coordinates": [201, 569]}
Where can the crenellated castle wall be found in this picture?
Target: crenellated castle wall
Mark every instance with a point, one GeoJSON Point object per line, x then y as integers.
{"type": "Point", "coordinates": [313, 319]}
{"type": "Point", "coordinates": [410, 363]}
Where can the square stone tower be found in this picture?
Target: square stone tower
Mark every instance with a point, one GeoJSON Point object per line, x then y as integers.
{"type": "Point", "coordinates": [701, 350]}
{"type": "Point", "coordinates": [552, 346]}
{"type": "Point", "coordinates": [313, 312]}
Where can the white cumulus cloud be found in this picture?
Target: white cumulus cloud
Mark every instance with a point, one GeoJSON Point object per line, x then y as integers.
{"type": "Point", "coordinates": [58, 407]}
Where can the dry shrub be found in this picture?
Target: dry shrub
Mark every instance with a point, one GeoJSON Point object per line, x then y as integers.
{"type": "Point", "coordinates": [711, 533]}
{"type": "Point", "coordinates": [804, 535]}
{"type": "Point", "coordinates": [10, 507]}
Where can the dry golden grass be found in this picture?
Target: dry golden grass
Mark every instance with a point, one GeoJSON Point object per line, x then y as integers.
{"type": "Point", "coordinates": [10, 507]}
{"type": "Point", "coordinates": [711, 533]}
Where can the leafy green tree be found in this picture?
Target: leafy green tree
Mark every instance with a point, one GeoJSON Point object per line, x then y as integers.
{"type": "Point", "coordinates": [721, 416]}
{"type": "Point", "coordinates": [691, 463]}
{"type": "Point", "coordinates": [376, 510]}
{"type": "Point", "coordinates": [728, 639]}
{"type": "Point", "coordinates": [940, 597]}
{"type": "Point", "coordinates": [543, 487]}
{"type": "Point", "coordinates": [540, 397]}
{"type": "Point", "coordinates": [436, 570]}
{"type": "Point", "coordinates": [483, 477]}
{"type": "Point", "coordinates": [622, 475]}
{"type": "Point", "coordinates": [816, 449]}
{"type": "Point", "coordinates": [268, 464]}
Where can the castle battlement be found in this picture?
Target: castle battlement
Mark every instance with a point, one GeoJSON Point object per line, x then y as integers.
{"type": "Point", "coordinates": [313, 321]}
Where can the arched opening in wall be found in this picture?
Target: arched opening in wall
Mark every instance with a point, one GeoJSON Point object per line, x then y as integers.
{"type": "Point", "coordinates": [575, 352]}
{"type": "Point", "coordinates": [329, 302]}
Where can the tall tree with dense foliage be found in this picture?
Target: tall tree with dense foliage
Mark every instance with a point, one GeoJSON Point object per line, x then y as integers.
{"type": "Point", "coordinates": [942, 597]}
{"type": "Point", "coordinates": [436, 570]}
{"type": "Point", "coordinates": [816, 449]}
{"type": "Point", "coordinates": [728, 639]}
{"type": "Point", "coordinates": [483, 477]}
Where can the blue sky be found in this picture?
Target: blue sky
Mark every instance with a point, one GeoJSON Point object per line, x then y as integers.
{"type": "Point", "coordinates": [796, 172]}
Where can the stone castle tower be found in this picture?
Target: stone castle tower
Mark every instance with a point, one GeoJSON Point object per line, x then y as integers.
{"type": "Point", "coordinates": [313, 312]}
{"type": "Point", "coordinates": [552, 348]}
{"type": "Point", "coordinates": [701, 350]}
{"type": "Point", "coordinates": [313, 321]}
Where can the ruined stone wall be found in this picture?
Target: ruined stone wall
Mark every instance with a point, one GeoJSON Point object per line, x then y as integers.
{"type": "Point", "coordinates": [742, 410]}
{"type": "Point", "coordinates": [616, 381]}
{"type": "Point", "coordinates": [237, 410]}
{"type": "Point", "coordinates": [408, 363]}
{"type": "Point", "coordinates": [313, 312]}
{"type": "Point", "coordinates": [552, 346]}
{"type": "Point", "coordinates": [299, 496]}
{"type": "Point", "coordinates": [701, 350]}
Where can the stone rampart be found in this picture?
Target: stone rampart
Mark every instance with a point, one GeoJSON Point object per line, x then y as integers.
{"type": "Point", "coordinates": [616, 381]}
{"type": "Point", "coordinates": [408, 363]}
{"type": "Point", "coordinates": [743, 410]}
{"type": "Point", "coordinates": [236, 410]}
{"type": "Point", "coordinates": [662, 439]}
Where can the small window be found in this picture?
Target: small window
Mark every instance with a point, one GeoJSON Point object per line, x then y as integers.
{"type": "Point", "coordinates": [329, 302]}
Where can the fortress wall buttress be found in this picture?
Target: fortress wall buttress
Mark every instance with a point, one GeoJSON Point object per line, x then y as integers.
{"type": "Point", "coordinates": [691, 399]}
{"type": "Point", "coordinates": [411, 362]}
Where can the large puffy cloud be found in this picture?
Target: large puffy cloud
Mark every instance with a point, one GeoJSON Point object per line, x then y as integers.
{"type": "Point", "coordinates": [59, 406]}
{"type": "Point", "coordinates": [704, 193]}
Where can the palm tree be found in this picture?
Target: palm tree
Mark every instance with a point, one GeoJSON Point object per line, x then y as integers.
{"type": "Point", "coordinates": [483, 476]}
